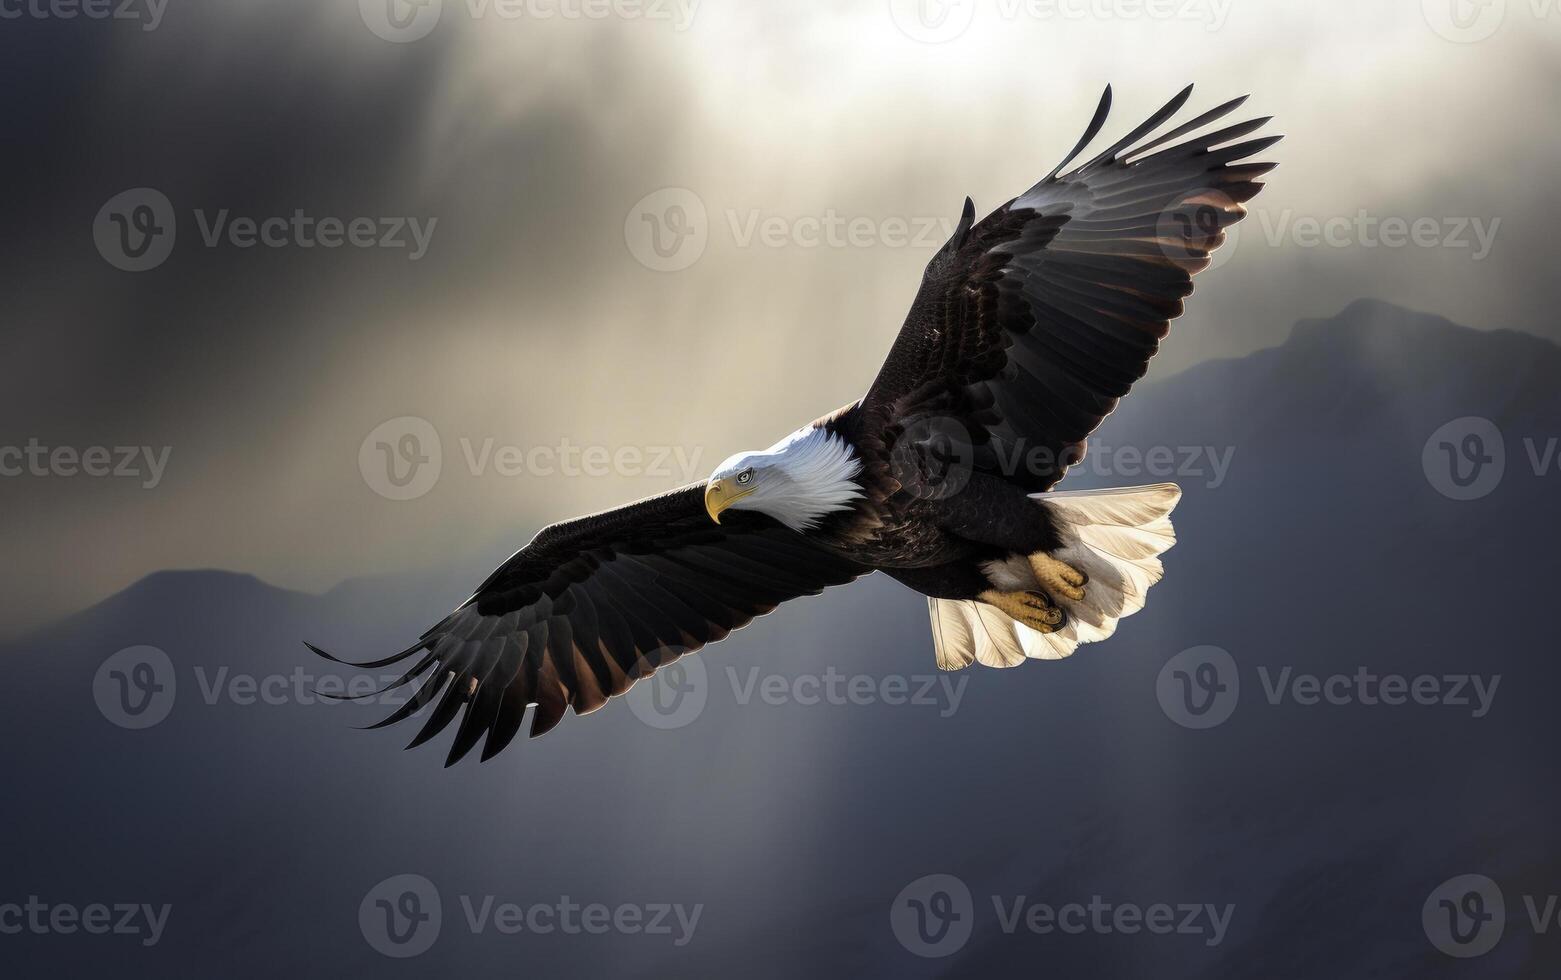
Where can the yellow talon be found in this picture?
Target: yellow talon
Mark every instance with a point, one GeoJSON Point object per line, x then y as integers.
{"type": "Point", "coordinates": [1058, 577]}
{"type": "Point", "coordinates": [1033, 609]}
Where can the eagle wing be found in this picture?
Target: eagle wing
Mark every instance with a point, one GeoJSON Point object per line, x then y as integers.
{"type": "Point", "coordinates": [594, 604]}
{"type": "Point", "coordinates": [1030, 326]}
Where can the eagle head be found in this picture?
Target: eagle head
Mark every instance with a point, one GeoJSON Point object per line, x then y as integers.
{"type": "Point", "coordinates": [797, 481]}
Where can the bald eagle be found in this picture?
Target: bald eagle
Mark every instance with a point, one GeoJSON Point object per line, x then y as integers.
{"type": "Point", "coordinates": [1028, 327]}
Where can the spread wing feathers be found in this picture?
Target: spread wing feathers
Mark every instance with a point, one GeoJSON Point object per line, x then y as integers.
{"type": "Point", "coordinates": [592, 605]}
{"type": "Point", "coordinates": [1030, 325]}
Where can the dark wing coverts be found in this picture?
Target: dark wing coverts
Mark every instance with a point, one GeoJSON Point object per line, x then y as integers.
{"type": "Point", "coordinates": [1030, 325]}
{"type": "Point", "coordinates": [594, 604]}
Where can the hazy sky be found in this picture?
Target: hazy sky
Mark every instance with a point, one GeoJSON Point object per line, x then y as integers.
{"type": "Point", "coordinates": [492, 187]}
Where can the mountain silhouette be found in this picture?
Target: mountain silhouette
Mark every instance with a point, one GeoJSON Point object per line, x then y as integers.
{"type": "Point", "coordinates": [819, 765]}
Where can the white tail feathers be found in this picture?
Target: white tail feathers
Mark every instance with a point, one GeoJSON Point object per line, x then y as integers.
{"type": "Point", "coordinates": [1115, 537]}
{"type": "Point", "coordinates": [965, 632]}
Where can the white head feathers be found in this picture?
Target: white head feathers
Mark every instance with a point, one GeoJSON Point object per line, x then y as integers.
{"type": "Point", "coordinates": [797, 481]}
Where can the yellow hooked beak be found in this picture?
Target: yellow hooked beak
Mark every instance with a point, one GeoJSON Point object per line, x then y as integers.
{"type": "Point", "coordinates": [721, 494]}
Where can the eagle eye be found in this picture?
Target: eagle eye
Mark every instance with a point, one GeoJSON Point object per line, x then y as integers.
{"type": "Point", "coordinates": [745, 475]}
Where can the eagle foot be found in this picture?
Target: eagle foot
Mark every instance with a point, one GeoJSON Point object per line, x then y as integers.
{"type": "Point", "coordinates": [1034, 609]}
{"type": "Point", "coordinates": [1058, 576]}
